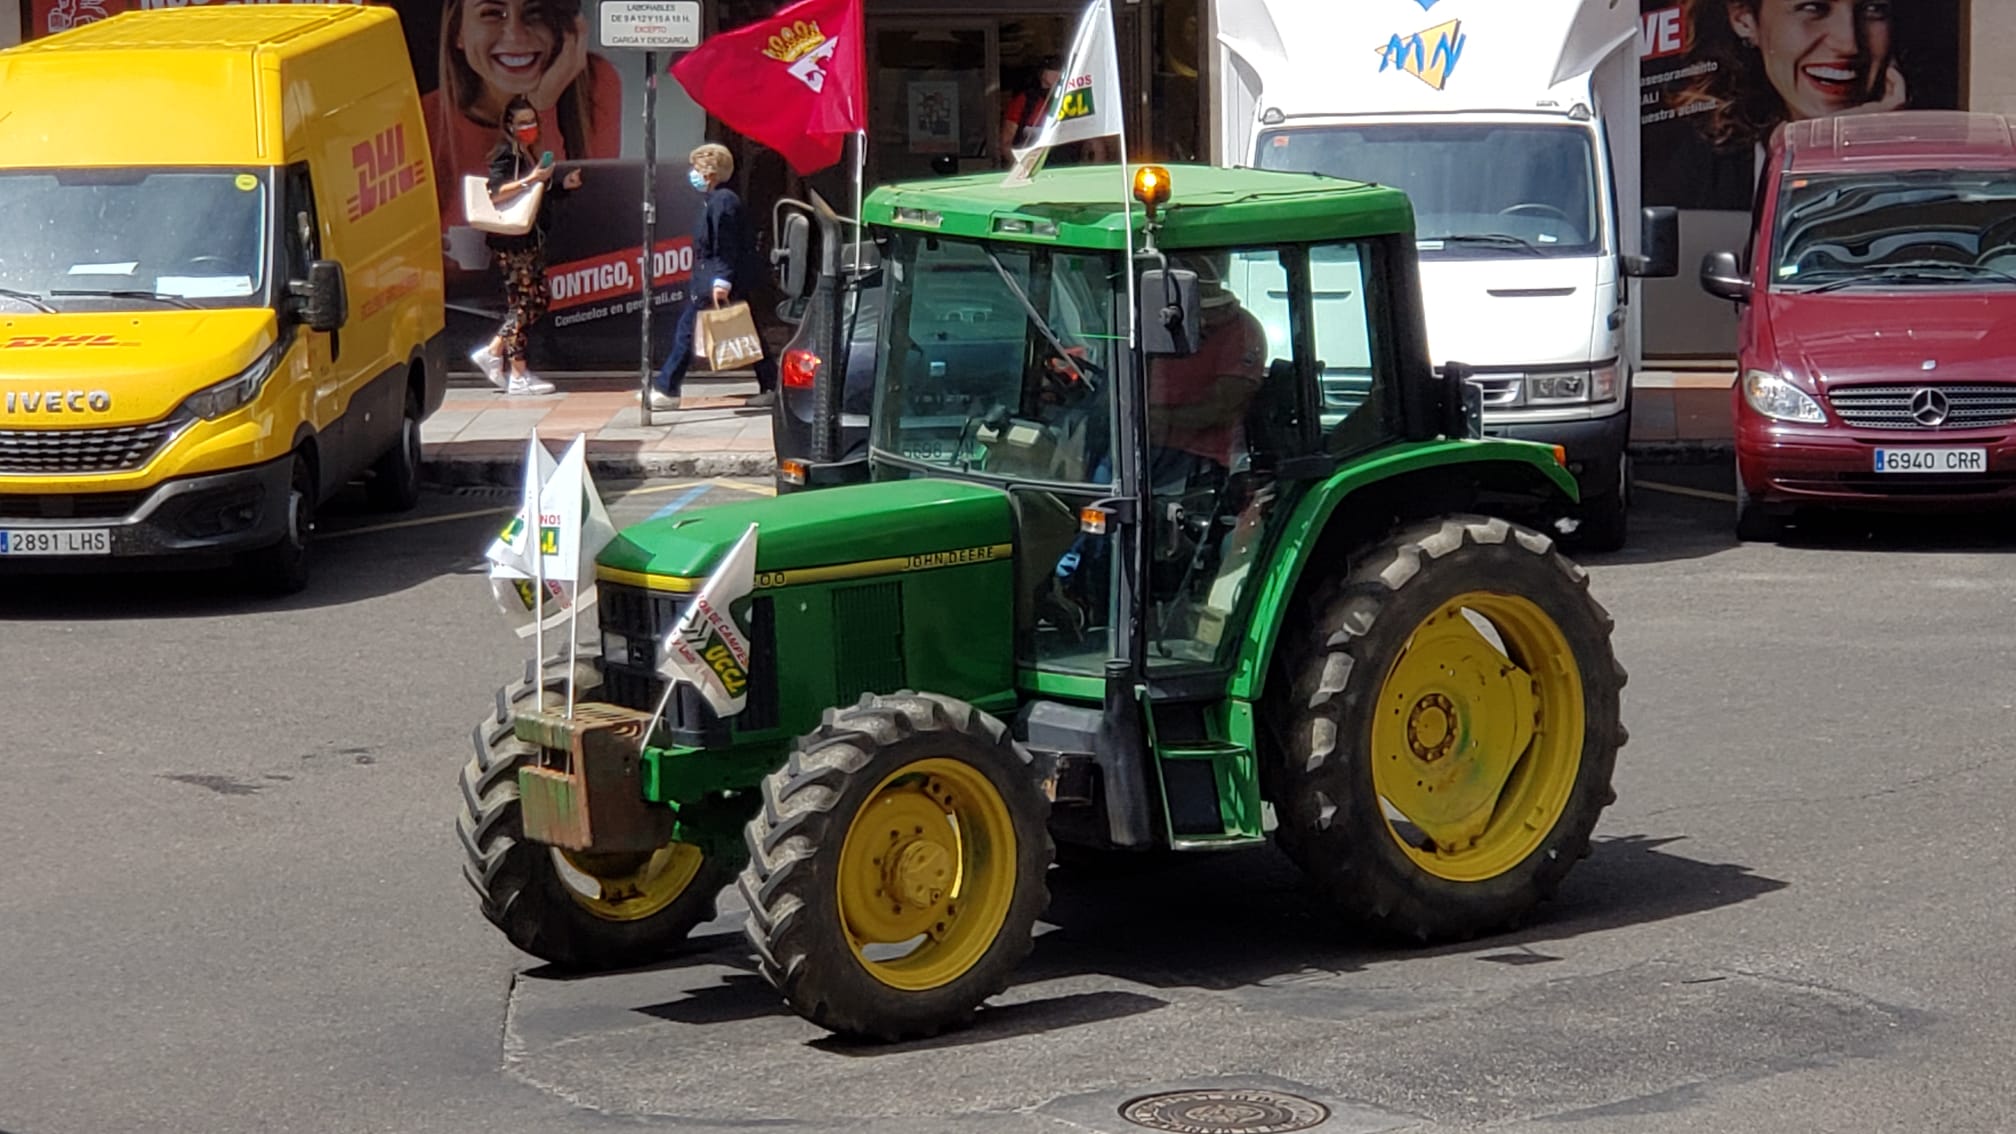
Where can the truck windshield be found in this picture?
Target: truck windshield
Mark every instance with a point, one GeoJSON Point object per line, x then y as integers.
{"type": "Point", "coordinates": [99, 238]}
{"type": "Point", "coordinates": [1926, 228]}
{"type": "Point", "coordinates": [1479, 190]}
{"type": "Point", "coordinates": [997, 358]}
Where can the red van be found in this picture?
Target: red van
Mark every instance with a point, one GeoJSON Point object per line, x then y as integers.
{"type": "Point", "coordinates": [1878, 342]}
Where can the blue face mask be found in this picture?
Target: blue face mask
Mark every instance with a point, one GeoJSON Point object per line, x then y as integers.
{"type": "Point", "coordinates": [699, 180]}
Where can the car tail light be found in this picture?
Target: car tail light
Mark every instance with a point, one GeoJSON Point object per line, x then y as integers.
{"type": "Point", "coordinates": [800, 368]}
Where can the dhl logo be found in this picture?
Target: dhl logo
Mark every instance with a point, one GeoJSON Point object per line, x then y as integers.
{"type": "Point", "coordinates": [49, 342]}
{"type": "Point", "coordinates": [383, 173]}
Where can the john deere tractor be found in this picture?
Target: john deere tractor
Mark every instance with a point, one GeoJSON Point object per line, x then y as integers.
{"type": "Point", "coordinates": [1168, 554]}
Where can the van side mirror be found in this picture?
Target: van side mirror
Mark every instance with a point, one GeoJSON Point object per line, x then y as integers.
{"type": "Point", "coordinates": [324, 297]}
{"type": "Point", "coordinates": [1172, 312]}
{"type": "Point", "coordinates": [1722, 277]}
{"type": "Point", "coordinates": [1660, 238]}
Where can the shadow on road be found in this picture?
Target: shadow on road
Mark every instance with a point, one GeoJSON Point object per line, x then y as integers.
{"type": "Point", "coordinates": [347, 568]}
{"type": "Point", "coordinates": [1233, 921]}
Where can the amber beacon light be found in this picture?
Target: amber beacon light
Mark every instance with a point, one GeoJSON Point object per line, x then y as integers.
{"type": "Point", "coordinates": [1151, 187]}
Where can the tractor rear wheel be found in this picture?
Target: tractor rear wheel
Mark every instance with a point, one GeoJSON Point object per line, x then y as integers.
{"type": "Point", "coordinates": [1451, 726]}
{"type": "Point", "coordinates": [587, 912]}
{"type": "Point", "coordinates": [896, 870]}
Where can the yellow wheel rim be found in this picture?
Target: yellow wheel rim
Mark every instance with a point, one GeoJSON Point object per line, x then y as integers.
{"type": "Point", "coordinates": [927, 873]}
{"type": "Point", "coordinates": [1476, 742]}
{"type": "Point", "coordinates": [629, 887]}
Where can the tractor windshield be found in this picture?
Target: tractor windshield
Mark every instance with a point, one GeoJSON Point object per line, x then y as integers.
{"type": "Point", "coordinates": [998, 359]}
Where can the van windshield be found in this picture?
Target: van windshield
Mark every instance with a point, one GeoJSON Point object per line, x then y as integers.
{"type": "Point", "coordinates": [1923, 228]}
{"type": "Point", "coordinates": [92, 239]}
{"type": "Point", "coordinates": [1479, 190]}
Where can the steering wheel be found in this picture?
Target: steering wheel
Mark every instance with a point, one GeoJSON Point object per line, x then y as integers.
{"type": "Point", "coordinates": [220, 265]}
{"type": "Point", "coordinates": [1525, 207]}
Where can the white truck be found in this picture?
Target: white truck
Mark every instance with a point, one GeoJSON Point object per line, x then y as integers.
{"type": "Point", "coordinates": [1513, 127]}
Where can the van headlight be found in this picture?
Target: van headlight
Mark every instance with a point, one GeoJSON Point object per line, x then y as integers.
{"type": "Point", "coordinates": [213, 402]}
{"type": "Point", "coordinates": [1779, 400]}
{"type": "Point", "coordinates": [1573, 387]}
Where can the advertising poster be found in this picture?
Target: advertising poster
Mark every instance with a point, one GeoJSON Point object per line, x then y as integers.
{"type": "Point", "coordinates": [470, 57]}
{"type": "Point", "coordinates": [1719, 75]}
{"type": "Point", "coordinates": [934, 117]}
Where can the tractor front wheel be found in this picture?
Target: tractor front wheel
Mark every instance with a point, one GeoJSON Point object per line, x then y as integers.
{"type": "Point", "coordinates": [1452, 724]}
{"type": "Point", "coordinates": [897, 868]}
{"type": "Point", "coordinates": [581, 911]}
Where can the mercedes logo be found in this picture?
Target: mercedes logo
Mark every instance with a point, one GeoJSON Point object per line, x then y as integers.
{"type": "Point", "coordinates": [1929, 408]}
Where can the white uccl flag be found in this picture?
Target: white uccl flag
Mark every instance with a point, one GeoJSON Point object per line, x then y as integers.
{"type": "Point", "coordinates": [510, 554]}
{"type": "Point", "coordinates": [574, 526]}
{"type": "Point", "coordinates": [1085, 103]}
{"type": "Point", "coordinates": [705, 648]}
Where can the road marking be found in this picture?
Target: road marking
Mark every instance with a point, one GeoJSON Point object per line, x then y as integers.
{"type": "Point", "coordinates": [416, 522]}
{"type": "Point", "coordinates": [691, 494]}
{"type": "Point", "coordinates": [1684, 490]}
{"type": "Point", "coordinates": [694, 489]}
{"type": "Point", "coordinates": [758, 489]}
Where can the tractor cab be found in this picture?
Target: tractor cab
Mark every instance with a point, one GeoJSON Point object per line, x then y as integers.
{"type": "Point", "coordinates": [1163, 536]}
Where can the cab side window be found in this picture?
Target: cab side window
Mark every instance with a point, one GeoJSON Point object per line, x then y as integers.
{"type": "Point", "coordinates": [301, 231]}
{"type": "Point", "coordinates": [1351, 359]}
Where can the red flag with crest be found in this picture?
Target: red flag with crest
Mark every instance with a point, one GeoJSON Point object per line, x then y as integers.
{"type": "Point", "coordinates": [796, 82]}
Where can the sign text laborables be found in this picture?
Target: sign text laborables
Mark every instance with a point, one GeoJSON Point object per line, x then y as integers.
{"type": "Point", "coordinates": [384, 171]}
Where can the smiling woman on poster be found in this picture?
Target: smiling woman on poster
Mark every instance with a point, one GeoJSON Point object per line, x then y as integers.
{"type": "Point", "coordinates": [495, 50]}
{"type": "Point", "coordinates": [1770, 62]}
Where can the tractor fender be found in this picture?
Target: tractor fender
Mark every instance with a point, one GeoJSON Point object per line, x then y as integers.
{"type": "Point", "coordinates": [1400, 483]}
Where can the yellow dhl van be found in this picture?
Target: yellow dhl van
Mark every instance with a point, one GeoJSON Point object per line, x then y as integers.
{"type": "Point", "coordinates": [220, 282]}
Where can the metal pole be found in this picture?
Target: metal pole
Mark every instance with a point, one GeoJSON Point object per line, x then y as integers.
{"type": "Point", "coordinates": [650, 233]}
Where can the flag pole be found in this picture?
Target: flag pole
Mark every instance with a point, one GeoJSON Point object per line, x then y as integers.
{"type": "Point", "coordinates": [1127, 215]}
{"type": "Point", "coordinates": [538, 549]}
{"type": "Point", "coordinates": [860, 176]}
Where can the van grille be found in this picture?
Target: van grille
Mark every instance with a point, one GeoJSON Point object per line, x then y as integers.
{"type": "Point", "coordinates": [47, 451]}
{"type": "Point", "coordinates": [66, 506]}
{"type": "Point", "coordinates": [1889, 407]}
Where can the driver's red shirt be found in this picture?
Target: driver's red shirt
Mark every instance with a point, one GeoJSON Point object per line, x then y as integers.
{"type": "Point", "coordinates": [1236, 348]}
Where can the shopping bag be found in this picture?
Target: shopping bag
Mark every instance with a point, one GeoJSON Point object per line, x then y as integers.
{"type": "Point", "coordinates": [727, 337]}
{"type": "Point", "coordinates": [514, 218]}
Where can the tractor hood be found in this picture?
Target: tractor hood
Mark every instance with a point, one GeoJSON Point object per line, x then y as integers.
{"type": "Point", "coordinates": [882, 528]}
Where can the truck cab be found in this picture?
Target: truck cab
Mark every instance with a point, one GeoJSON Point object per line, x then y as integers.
{"type": "Point", "coordinates": [1513, 129]}
{"type": "Point", "coordinates": [220, 284]}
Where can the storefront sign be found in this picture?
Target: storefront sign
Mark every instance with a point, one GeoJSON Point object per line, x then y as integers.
{"type": "Point", "coordinates": [651, 25]}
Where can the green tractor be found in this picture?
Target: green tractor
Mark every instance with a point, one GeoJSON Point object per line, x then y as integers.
{"type": "Point", "coordinates": [1240, 565]}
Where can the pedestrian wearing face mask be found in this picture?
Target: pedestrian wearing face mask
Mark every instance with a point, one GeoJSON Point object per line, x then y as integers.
{"type": "Point", "coordinates": [515, 168]}
{"type": "Point", "coordinates": [725, 270]}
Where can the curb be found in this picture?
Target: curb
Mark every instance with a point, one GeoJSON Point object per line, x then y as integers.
{"type": "Point", "coordinates": [455, 471]}
{"type": "Point", "coordinates": [1682, 452]}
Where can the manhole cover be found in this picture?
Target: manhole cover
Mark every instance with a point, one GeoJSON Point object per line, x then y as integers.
{"type": "Point", "coordinates": [1225, 1112]}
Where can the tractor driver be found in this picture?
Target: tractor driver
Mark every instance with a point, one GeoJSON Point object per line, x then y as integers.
{"type": "Point", "coordinates": [1196, 406]}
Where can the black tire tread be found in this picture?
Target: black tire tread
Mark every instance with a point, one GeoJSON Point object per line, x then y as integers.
{"type": "Point", "coordinates": [1311, 775]}
{"type": "Point", "coordinates": [799, 831]}
{"type": "Point", "coordinates": [517, 885]}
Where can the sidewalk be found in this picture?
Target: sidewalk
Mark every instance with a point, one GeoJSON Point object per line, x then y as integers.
{"type": "Point", "coordinates": [478, 434]}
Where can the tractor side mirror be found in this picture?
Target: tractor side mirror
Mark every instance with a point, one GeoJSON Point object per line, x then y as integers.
{"type": "Point", "coordinates": [324, 298]}
{"type": "Point", "coordinates": [1722, 277]}
{"type": "Point", "coordinates": [1462, 402]}
{"type": "Point", "coordinates": [1172, 311]}
{"type": "Point", "coordinates": [793, 254]}
{"type": "Point", "coordinates": [1660, 239]}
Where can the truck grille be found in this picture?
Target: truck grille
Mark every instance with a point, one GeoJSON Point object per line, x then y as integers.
{"type": "Point", "coordinates": [642, 618]}
{"type": "Point", "coordinates": [48, 451]}
{"type": "Point", "coordinates": [1890, 406]}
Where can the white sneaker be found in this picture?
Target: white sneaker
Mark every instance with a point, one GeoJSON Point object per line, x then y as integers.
{"type": "Point", "coordinates": [663, 401]}
{"type": "Point", "coordinates": [491, 366]}
{"type": "Point", "coordinates": [528, 385]}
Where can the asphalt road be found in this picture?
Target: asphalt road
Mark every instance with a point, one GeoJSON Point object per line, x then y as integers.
{"type": "Point", "coordinates": [230, 898]}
